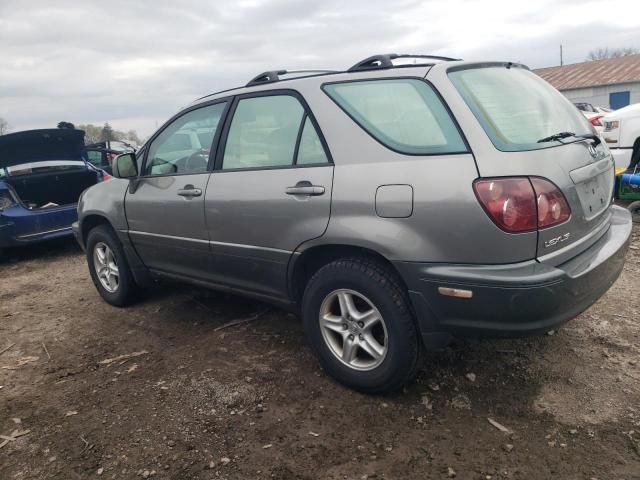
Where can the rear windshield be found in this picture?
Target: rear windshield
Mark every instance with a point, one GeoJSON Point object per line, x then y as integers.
{"type": "Point", "coordinates": [517, 108]}
{"type": "Point", "coordinates": [404, 114]}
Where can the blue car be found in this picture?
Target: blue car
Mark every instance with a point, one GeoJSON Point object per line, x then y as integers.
{"type": "Point", "coordinates": [42, 175]}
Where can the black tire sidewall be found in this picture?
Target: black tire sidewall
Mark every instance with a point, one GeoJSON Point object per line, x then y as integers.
{"type": "Point", "coordinates": [126, 286]}
{"type": "Point", "coordinates": [401, 331]}
{"type": "Point", "coordinates": [634, 208]}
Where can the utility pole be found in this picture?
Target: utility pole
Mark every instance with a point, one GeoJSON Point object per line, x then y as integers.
{"type": "Point", "coordinates": [561, 60]}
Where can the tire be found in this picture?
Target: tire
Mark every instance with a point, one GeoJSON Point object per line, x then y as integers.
{"type": "Point", "coordinates": [125, 290]}
{"type": "Point", "coordinates": [372, 282]}
{"type": "Point", "coordinates": [634, 208]}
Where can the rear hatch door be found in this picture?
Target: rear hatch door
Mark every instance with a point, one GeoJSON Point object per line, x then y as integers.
{"type": "Point", "coordinates": [519, 112]}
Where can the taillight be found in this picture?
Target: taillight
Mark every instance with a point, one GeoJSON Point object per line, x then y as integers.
{"type": "Point", "coordinates": [553, 208]}
{"type": "Point", "coordinates": [595, 120]}
{"type": "Point", "coordinates": [510, 202]}
{"type": "Point", "coordinates": [521, 204]}
{"type": "Point", "coordinates": [106, 176]}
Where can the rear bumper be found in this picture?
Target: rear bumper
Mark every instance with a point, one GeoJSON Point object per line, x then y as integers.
{"type": "Point", "coordinates": [520, 299]}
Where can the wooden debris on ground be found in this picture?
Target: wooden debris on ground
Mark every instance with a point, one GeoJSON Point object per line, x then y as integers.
{"type": "Point", "coordinates": [46, 351]}
{"type": "Point", "coordinates": [499, 426]}
{"type": "Point", "coordinates": [7, 348]}
{"type": "Point", "coordinates": [242, 321]}
{"type": "Point", "coordinates": [21, 362]}
{"type": "Point", "coordinates": [12, 437]}
{"type": "Point", "coordinates": [126, 356]}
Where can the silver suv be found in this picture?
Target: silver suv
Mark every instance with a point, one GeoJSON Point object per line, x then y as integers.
{"type": "Point", "coordinates": [393, 205]}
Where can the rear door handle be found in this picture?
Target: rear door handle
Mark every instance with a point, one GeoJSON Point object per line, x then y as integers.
{"type": "Point", "coordinates": [305, 188]}
{"type": "Point", "coordinates": [189, 191]}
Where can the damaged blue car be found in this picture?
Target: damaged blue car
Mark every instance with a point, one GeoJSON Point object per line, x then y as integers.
{"type": "Point", "coordinates": [42, 175]}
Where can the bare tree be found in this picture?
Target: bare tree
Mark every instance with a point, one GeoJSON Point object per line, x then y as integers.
{"type": "Point", "coordinates": [96, 134]}
{"type": "Point", "coordinates": [92, 133]}
{"type": "Point", "coordinates": [4, 126]}
{"type": "Point", "coordinates": [604, 53]}
{"type": "Point", "coordinates": [107, 133]}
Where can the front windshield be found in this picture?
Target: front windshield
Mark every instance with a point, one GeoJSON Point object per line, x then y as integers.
{"type": "Point", "coordinates": [517, 108]}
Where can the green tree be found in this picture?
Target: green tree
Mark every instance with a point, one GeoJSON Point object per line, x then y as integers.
{"type": "Point", "coordinates": [68, 125]}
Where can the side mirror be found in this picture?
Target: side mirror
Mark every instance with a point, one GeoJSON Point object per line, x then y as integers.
{"type": "Point", "coordinates": [125, 166]}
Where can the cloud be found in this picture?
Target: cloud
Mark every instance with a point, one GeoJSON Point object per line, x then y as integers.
{"type": "Point", "coordinates": [135, 63]}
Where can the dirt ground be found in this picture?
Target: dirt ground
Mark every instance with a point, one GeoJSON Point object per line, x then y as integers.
{"type": "Point", "coordinates": [158, 391]}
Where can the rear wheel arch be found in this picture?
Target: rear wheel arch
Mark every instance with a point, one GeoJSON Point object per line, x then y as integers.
{"type": "Point", "coordinates": [314, 258]}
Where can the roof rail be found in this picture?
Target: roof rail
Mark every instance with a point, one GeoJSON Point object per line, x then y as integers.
{"type": "Point", "coordinates": [379, 62]}
{"type": "Point", "coordinates": [274, 75]}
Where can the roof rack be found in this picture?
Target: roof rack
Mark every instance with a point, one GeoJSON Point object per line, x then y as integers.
{"type": "Point", "coordinates": [379, 62]}
{"type": "Point", "coordinates": [274, 75]}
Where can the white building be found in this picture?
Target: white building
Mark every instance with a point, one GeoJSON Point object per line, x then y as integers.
{"type": "Point", "coordinates": [612, 83]}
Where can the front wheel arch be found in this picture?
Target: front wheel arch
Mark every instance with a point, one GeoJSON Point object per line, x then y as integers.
{"type": "Point", "coordinates": [90, 222]}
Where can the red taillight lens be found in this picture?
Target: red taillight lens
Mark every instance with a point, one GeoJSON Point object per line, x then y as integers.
{"type": "Point", "coordinates": [553, 208]}
{"type": "Point", "coordinates": [510, 202]}
{"type": "Point", "coordinates": [521, 204]}
{"type": "Point", "coordinates": [106, 176]}
{"type": "Point", "coordinates": [595, 120]}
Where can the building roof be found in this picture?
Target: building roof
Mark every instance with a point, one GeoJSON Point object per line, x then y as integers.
{"type": "Point", "coordinates": [590, 74]}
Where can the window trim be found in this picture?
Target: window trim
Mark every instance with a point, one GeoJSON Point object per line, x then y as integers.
{"type": "Point", "coordinates": [307, 113]}
{"type": "Point", "coordinates": [429, 84]}
{"type": "Point", "coordinates": [168, 123]}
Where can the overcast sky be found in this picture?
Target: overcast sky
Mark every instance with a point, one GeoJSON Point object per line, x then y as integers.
{"type": "Point", "coordinates": [133, 63]}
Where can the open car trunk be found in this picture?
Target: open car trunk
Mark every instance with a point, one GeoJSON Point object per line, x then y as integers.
{"type": "Point", "coordinates": [52, 189]}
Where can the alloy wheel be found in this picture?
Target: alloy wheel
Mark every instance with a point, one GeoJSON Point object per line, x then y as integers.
{"type": "Point", "coordinates": [353, 329]}
{"type": "Point", "coordinates": [106, 267]}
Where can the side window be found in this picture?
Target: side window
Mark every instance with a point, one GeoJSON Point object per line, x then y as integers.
{"type": "Point", "coordinates": [403, 114]}
{"type": "Point", "coordinates": [95, 158]}
{"type": "Point", "coordinates": [184, 146]}
{"type": "Point", "coordinates": [310, 150]}
{"type": "Point", "coordinates": [263, 132]}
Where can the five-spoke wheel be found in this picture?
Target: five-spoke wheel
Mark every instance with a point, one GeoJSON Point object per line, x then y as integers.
{"type": "Point", "coordinates": [106, 267]}
{"type": "Point", "coordinates": [358, 318]}
{"type": "Point", "coordinates": [353, 329]}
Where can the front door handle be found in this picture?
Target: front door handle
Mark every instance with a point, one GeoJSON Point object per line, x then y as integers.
{"type": "Point", "coordinates": [305, 188]}
{"type": "Point", "coordinates": [190, 191]}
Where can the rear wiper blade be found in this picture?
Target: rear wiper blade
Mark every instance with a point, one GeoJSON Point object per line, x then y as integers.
{"type": "Point", "coordinates": [556, 136]}
{"type": "Point", "coordinates": [591, 136]}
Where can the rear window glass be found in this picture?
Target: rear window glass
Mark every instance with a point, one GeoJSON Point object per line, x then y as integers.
{"type": "Point", "coordinates": [404, 114]}
{"type": "Point", "coordinates": [516, 108]}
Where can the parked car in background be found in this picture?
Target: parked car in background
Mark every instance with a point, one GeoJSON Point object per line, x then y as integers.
{"type": "Point", "coordinates": [621, 132]}
{"type": "Point", "coordinates": [593, 114]}
{"type": "Point", "coordinates": [102, 154]}
{"type": "Point", "coordinates": [42, 174]}
{"type": "Point", "coordinates": [355, 199]}
{"type": "Point", "coordinates": [588, 108]}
